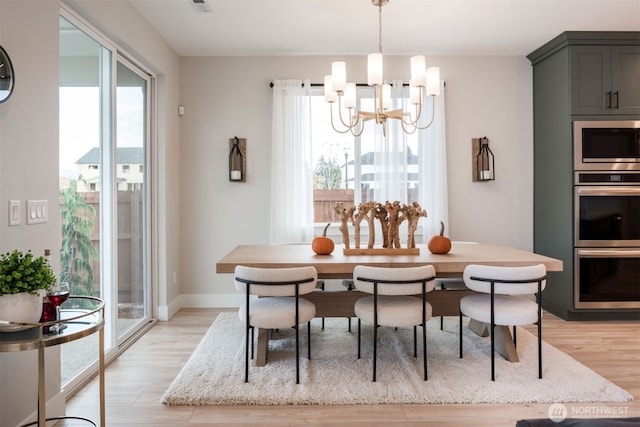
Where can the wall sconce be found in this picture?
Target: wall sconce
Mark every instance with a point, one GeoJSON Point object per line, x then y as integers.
{"type": "Point", "coordinates": [482, 159]}
{"type": "Point", "coordinates": [237, 162]}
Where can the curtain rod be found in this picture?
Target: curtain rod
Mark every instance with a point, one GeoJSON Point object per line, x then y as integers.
{"type": "Point", "coordinates": [357, 84]}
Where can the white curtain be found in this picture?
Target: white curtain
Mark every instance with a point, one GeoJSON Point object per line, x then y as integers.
{"type": "Point", "coordinates": [390, 158]}
{"type": "Point", "coordinates": [392, 168]}
{"type": "Point", "coordinates": [291, 163]}
{"type": "Point", "coordinates": [433, 168]}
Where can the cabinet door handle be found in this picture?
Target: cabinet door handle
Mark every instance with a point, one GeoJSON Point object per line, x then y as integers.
{"type": "Point", "coordinates": [609, 99]}
{"type": "Point", "coordinates": [617, 94]}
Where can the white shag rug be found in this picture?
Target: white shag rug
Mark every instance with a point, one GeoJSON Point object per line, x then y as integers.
{"type": "Point", "coordinates": [214, 375]}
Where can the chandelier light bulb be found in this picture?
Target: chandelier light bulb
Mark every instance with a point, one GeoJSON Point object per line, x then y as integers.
{"type": "Point", "coordinates": [330, 95]}
{"type": "Point", "coordinates": [374, 68]}
{"type": "Point", "coordinates": [386, 97]}
{"type": "Point", "coordinates": [414, 94]}
{"type": "Point", "coordinates": [418, 70]}
{"type": "Point", "coordinates": [350, 96]}
{"type": "Point", "coordinates": [339, 75]}
{"type": "Point", "coordinates": [433, 81]}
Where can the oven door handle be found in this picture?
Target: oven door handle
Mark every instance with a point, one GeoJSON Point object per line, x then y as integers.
{"type": "Point", "coordinates": [609, 252]}
{"type": "Point", "coordinates": [608, 191]}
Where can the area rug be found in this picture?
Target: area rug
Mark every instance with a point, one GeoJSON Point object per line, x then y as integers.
{"type": "Point", "coordinates": [214, 375]}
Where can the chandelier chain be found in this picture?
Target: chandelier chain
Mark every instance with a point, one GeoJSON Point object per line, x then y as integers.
{"type": "Point", "coordinates": [380, 27]}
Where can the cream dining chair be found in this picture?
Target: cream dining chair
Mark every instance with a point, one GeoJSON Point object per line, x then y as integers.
{"type": "Point", "coordinates": [278, 304]}
{"type": "Point", "coordinates": [398, 300]}
{"type": "Point", "coordinates": [502, 300]}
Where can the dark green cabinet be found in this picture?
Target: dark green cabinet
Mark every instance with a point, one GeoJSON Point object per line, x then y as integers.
{"type": "Point", "coordinates": [605, 79]}
{"type": "Point", "coordinates": [573, 76]}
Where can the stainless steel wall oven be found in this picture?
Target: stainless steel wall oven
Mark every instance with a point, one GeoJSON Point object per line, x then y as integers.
{"type": "Point", "coordinates": [607, 214]}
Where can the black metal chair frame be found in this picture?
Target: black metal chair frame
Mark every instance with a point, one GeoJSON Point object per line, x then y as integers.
{"type": "Point", "coordinates": [493, 325]}
{"type": "Point", "coordinates": [248, 344]}
{"type": "Point", "coordinates": [375, 319]}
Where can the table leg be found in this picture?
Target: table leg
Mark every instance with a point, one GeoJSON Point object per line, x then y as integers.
{"type": "Point", "coordinates": [42, 398]}
{"type": "Point", "coordinates": [262, 346]}
{"type": "Point", "coordinates": [101, 373]}
{"type": "Point", "coordinates": [504, 340]}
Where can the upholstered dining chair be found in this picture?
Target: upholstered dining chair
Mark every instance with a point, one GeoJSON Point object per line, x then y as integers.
{"type": "Point", "coordinates": [502, 300]}
{"type": "Point", "coordinates": [398, 300]}
{"type": "Point", "coordinates": [278, 304]}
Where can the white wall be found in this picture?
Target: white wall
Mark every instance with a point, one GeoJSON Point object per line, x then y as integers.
{"type": "Point", "coordinates": [29, 170]}
{"type": "Point", "coordinates": [230, 96]}
{"type": "Point", "coordinates": [29, 153]}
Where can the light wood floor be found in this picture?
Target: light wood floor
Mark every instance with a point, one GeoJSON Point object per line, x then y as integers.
{"type": "Point", "coordinates": [136, 381]}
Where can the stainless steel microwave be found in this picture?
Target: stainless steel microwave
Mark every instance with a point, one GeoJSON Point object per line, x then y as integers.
{"type": "Point", "coordinates": [606, 145]}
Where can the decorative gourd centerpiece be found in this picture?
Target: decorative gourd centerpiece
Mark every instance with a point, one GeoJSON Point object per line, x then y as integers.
{"type": "Point", "coordinates": [323, 245]}
{"type": "Point", "coordinates": [23, 281]}
{"type": "Point", "coordinates": [439, 244]}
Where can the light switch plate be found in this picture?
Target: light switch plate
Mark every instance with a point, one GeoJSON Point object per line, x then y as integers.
{"type": "Point", "coordinates": [14, 212]}
{"type": "Point", "coordinates": [37, 211]}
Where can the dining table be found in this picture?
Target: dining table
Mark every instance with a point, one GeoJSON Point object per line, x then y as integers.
{"type": "Point", "coordinates": [445, 300]}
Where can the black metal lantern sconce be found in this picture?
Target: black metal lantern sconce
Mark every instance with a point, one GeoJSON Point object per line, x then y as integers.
{"type": "Point", "coordinates": [483, 160]}
{"type": "Point", "coordinates": [237, 162]}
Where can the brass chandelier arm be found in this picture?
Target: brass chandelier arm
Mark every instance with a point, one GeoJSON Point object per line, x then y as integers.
{"type": "Point", "coordinates": [411, 128]}
{"type": "Point", "coordinates": [433, 113]}
{"type": "Point", "coordinates": [353, 120]}
{"type": "Point", "coordinates": [348, 128]}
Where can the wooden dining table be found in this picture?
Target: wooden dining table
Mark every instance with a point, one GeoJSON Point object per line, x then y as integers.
{"type": "Point", "coordinates": [445, 300]}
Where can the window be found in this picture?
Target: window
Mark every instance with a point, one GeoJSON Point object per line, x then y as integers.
{"type": "Point", "coordinates": [313, 158]}
{"type": "Point", "coordinates": [352, 169]}
{"type": "Point", "coordinates": [93, 167]}
{"type": "Point", "coordinates": [125, 168]}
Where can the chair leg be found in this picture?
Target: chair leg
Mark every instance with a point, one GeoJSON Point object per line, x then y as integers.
{"type": "Point", "coordinates": [297, 355]}
{"type": "Point", "coordinates": [246, 355]}
{"type": "Point", "coordinates": [515, 341]}
{"type": "Point", "coordinates": [252, 341]}
{"type": "Point", "coordinates": [375, 349]}
{"type": "Point", "coordinates": [424, 348]}
{"type": "Point", "coordinates": [309, 340]}
{"type": "Point", "coordinates": [493, 350]}
{"type": "Point", "coordinates": [539, 349]}
{"type": "Point", "coordinates": [415, 344]}
{"type": "Point", "coordinates": [461, 335]}
{"type": "Point", "coordinates": [349, 320]}
{"type": "Point", "coordinates": [358, 338]}
{"type": "Point", "coordinates": [441, 323]}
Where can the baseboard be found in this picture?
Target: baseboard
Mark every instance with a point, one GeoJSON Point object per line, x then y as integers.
{"type": "Point", "coordinates": [165, 312]}
{"type": "Point", "coordinates": [212, 300]}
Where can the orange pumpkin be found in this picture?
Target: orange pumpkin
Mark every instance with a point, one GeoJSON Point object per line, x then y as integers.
{"type": "Point", "coordinates": [439, 244]}
{"type": "Point", "coordinates": [323, 245]}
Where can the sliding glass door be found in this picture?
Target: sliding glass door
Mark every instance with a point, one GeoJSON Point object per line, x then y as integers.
{"type": "Point", "coordinates": [105, 107]}
{"type": "Point", "coordinates": [132, 109]}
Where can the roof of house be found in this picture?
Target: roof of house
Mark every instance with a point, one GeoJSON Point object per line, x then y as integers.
{"type": "Point", "coordinates": [124, 155]}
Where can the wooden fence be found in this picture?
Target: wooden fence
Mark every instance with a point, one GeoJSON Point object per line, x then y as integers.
{"type": "Point", "coordinates": [130, 235]}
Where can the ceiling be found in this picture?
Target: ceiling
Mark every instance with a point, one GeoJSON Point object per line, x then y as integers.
{"type": "Point", "coordinates": [350, 27]}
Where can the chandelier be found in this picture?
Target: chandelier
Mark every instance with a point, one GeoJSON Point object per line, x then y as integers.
{"type": "Point", "coordinates": [336, 88]}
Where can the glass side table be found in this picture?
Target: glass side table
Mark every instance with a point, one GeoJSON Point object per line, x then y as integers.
{"type": "Point", "coordinates": [83, 316]}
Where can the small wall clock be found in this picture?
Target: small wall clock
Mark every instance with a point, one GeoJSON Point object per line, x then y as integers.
{"type": "Point", "coordinates": [6, 76]}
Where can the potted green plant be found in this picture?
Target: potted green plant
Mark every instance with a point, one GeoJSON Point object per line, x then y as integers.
{"type": "Point", "coordinates": [23, 280]}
